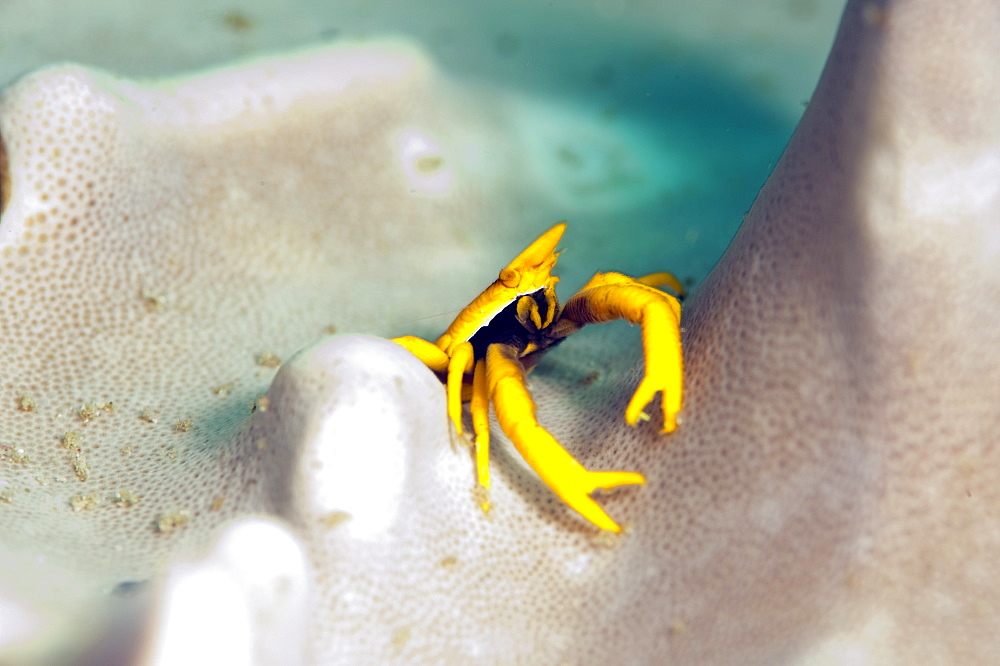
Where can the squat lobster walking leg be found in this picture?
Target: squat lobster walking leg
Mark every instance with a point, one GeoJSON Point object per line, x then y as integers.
{"type": "Point", "coordinates": [479, 405]}
{"type": "Point", "coordinates": [515, 410]}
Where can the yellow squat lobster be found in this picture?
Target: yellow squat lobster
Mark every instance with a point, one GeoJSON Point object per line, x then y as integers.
{"type": "Point", "coordinates": [486, 351]}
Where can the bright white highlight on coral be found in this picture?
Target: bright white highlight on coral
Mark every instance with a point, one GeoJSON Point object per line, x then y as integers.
{"type": "Point", "coordinates": [362, 466]}
{"type": "Point", "coordinates": [960, 186]}
{"type": "Point", "coordinates": [205, 620]}
{"type": "Point", "coordinates": [578, 564]}
{"type": "Point", "coordinates": [16, 623]}
{"type": "Point", "coordinates": [425, 164]}
{"type": "Point", "coordinates": [244, 603]}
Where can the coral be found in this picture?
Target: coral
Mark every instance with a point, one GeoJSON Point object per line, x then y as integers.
{"type": "Point", "coordinates": [828, 496]}
{"type": "Point", "coordinates": [140, 343]}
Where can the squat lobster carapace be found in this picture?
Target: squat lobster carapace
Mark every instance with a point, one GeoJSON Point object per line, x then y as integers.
{"type": "Point", "coordinates": [515, 320]}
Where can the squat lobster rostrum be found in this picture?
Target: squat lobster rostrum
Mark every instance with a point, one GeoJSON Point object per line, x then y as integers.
{"type": "Point", "coordinates": [487, 350]}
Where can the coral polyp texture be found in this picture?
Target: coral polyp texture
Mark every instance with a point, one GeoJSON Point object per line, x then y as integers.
{"type": "Point", "coordinates": [150, 290]}
{"type": "Point", "coordinates": [175, 254]}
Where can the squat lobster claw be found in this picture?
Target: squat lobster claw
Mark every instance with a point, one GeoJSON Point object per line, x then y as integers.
{"type": "Point", "coordinates": [485, 350]}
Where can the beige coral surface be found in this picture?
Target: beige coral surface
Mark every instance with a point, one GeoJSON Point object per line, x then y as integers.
{"type": "Point", "coordinates": [827, 498]}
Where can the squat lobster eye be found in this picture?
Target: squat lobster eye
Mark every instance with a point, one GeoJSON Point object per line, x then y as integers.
{"type": "Point", "coordinates": [518, 317]}
{"type": "Point", "coordinates": [509, 278]}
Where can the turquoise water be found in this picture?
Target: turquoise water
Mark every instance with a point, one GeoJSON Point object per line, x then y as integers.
{"type": "Point", "coordinates": [671, 145]}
